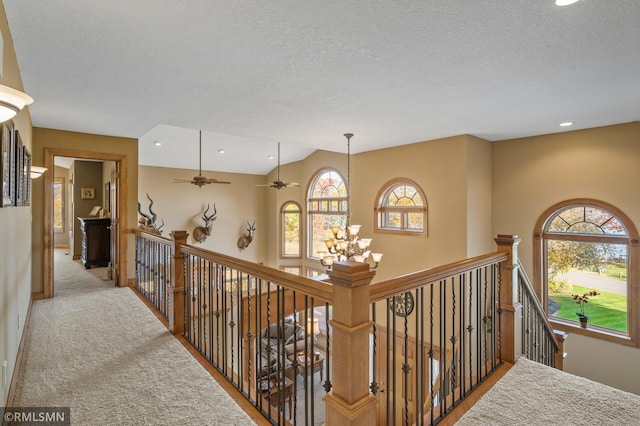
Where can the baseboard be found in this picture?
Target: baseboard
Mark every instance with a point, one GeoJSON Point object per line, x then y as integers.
{"type": "Point", "coordinates": [76, 257]}
{"type": "Point", "coordinates": [39, 295]}
{"type": "Point", "coordinates": [16, 367]}
{"type": "Point", "coordinates": [131, 282]}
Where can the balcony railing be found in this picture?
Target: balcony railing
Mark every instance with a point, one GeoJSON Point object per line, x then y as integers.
{"type": "Point", "coordinates": [403, 351]}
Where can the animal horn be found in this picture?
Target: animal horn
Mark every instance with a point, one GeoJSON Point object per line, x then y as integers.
{"type": "Point", "coordinates": [153, 215]}
{"type": "Point", "coordinates": [146, 216]}
{"type": "Point", "coordinates": [204, 215]}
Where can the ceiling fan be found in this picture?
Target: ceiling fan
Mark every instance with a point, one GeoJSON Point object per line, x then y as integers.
{"type": "Point", "coordinates": [278, 184]}
{"type": "Point", "coordinates": [200, 180]}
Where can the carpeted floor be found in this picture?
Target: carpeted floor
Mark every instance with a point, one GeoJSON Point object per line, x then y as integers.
{"type": "Point", "coordinates": [99, 350]}
{"type": "Point", "coordinates": [533, 394]}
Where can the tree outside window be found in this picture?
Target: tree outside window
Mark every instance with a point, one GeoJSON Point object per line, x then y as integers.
{"type": "Point", "coordinates": [327, 206]}
{"type": "Point", "coordinates": [58, 205]}
{"type": "Point", "coordinates": [401, 208]}
{"type": "Point", "coordinates": [291, 230]}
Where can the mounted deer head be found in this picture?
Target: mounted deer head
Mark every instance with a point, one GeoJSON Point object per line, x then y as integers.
{"type": "Point", "coordinates": [201, 233]}
{"type": "Point", "coordinates": [147, 222]}
{"type": "Point", "coordinates": [245, 240]}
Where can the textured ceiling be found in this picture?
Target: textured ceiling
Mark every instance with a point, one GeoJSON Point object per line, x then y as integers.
{"type": "Point", "coordinates": [253, 73]}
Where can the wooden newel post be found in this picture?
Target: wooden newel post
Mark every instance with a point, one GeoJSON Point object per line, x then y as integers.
{"type": "Point", "coordinates": [349, 402]}
{"type": "Point", "coordinates": [510, 319]}
{"type": "Point", "coordinates": [176, 290]}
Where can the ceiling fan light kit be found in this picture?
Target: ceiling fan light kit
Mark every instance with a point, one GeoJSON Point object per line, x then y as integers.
{"type": "Point", "coordinates": [200, 180]}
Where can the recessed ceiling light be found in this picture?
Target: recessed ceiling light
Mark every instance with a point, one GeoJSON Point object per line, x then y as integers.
{"type": "Point", "coordinates": [566, 2]}
{"type": "Point", "coordinates": [566, 124]}
{"type": "Point", "coordinates": [270, 157]}
{"type": "Point", "coordinates": [221, 151]}
{"type": "Point", "coordinates": [157, 143]}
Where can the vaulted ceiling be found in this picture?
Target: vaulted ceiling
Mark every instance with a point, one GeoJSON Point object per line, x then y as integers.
{"type": "Point", "coordinates": [251, 74]}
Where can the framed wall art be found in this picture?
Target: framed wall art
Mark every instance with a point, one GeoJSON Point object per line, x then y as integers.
{"type": "Point", "coordinates": [26, 178]}
{"type": "Point", "coordinates": [7, 165]}
{"type": "Point", "coordinates": [19, 169]}
{"type": "Point", "coordinates": [88, 193]}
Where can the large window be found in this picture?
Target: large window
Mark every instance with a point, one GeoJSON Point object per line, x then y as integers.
{"type": "Point", "coordinates": [586, 247]}
{"type": "Point", "coordinates": [327, 206]}
{"type": "Point", "coordinates": [291, 229]}
{"type": "Point", "coordinates": [58, 205]}
{"type": "Point", "coordinates": [401, 208]}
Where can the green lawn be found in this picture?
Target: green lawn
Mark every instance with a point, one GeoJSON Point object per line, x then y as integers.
{"type": "Point", "coordinates": [607, 310]}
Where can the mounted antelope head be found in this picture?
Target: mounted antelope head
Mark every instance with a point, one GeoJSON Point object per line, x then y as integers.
{"type": "Point", "coordinates": [245, 240]}
{"type": "Point", "coordinates": [200, 233]}
{"type": "Point", "coordinates": [147, 222]}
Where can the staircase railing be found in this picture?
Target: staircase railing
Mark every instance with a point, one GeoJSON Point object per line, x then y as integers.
{"type": "Point", "coordinates": [402, 351]}
{"type": "Point", "coordinates": [153, 270]}
{"type": "Point", "coordinates": [538, 337]}
{"type": "Point", "coordinates": [442, 342]}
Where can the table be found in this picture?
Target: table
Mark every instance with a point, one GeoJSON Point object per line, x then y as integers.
{"type": "Point", "coordinates": [308, 365]}
{"type": "Point", "coordinates": [279, 393]}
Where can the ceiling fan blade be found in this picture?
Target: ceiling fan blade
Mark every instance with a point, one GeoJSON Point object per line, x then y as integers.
{"type": "Point", "coordinates": [292, 184]}
{"type": "Point", "coordinates": [213, 180]}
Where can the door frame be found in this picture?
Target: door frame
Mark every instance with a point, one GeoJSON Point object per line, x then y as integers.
{"type": "Point", "coordinates": [49, 155]}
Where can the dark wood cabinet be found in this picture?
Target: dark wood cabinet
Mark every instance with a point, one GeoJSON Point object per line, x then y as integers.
{"type": "Point", "coordinates": [96, 240]}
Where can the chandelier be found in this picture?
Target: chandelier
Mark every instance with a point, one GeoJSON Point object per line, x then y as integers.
{"type": "Point", "coordinates": [347, 245]}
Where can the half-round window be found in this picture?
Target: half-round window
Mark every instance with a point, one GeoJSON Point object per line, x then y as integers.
{"type": "Point", "coordinates": [401, 208]}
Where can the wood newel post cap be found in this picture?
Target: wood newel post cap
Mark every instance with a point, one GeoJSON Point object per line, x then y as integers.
{"type": "Point", "coordinates": [507, 240]}
{"type": "Point", "coordinates": [351, 274]}
{"type": "Point", "coordinates": [179, 236]}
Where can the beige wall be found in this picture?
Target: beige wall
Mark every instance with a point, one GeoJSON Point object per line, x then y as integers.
{"type": "Point", "coordinates": [81, 143]}
{"type": "Point", "coordinates": [15, 235]}
{"type": "Point", "coordinates": [442, 168]}
{"type": "Point", "coordinates": [181, 205]}
{"type": "Point", "coordinates": [532, 174]}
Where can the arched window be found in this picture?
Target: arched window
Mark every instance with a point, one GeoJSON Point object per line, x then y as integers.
{"type": "Point", "coordinates": [327, 206]}
{"type": "Point", "coordinates": [291, 243]}
{"type": "Point", "coordinates": [401, 208]}
{"type": "Point", "coordinates": [584, 248]}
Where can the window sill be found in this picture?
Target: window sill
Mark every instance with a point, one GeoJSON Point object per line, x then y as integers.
{"type": "Point", "coordinates": [594, 332]}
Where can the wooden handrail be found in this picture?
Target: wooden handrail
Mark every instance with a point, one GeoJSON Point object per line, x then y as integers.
{"type": "Point", "coordinates": [310, 287]}
{"type": "Point", "coordinates": [388, 288]}
{"type": "Point", "coordinates": [152, 237]}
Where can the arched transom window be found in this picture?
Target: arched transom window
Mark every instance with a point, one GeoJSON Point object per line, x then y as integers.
{"type": "Point", "coordinates": [291, 245]}
{"type": "Point", "coordinates": [327, 206]}
{"type": "Point", "coordinates": [586, 249]}
{"type": "Point", "coordinates": [401, 208]}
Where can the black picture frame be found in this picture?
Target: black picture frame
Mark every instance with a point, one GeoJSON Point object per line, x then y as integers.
{"type": "Point", "coordinates": [19, 169]}
{"type": "Point", "coordinates": [7, 165]}
{"type": "Point", "coordinates": [26, 178]}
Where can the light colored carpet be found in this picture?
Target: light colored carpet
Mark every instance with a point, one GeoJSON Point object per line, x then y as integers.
{"type": "Point", "coordinates": [533, 394]}
{"type": "Point", "coordinates": [99, 350]}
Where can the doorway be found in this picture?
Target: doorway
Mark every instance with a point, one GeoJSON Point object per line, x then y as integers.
{"type": "Point", "coordinates": [116, 194]}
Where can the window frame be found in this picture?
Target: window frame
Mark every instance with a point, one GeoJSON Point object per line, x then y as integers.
{"type": "Point", "coordinates": [283, 214]}
{"type": "Point", "coordinates": [632, 338]}
{"type": "Point", "coordinates": [381, 210]}
{"type": "Point", "coordinates": [334, 205]}
{"type": "Point", "coordinates": [58, 181]}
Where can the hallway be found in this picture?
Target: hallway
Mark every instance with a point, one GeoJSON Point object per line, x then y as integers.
{"type": "Point", "coordinates": [98, 349]}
